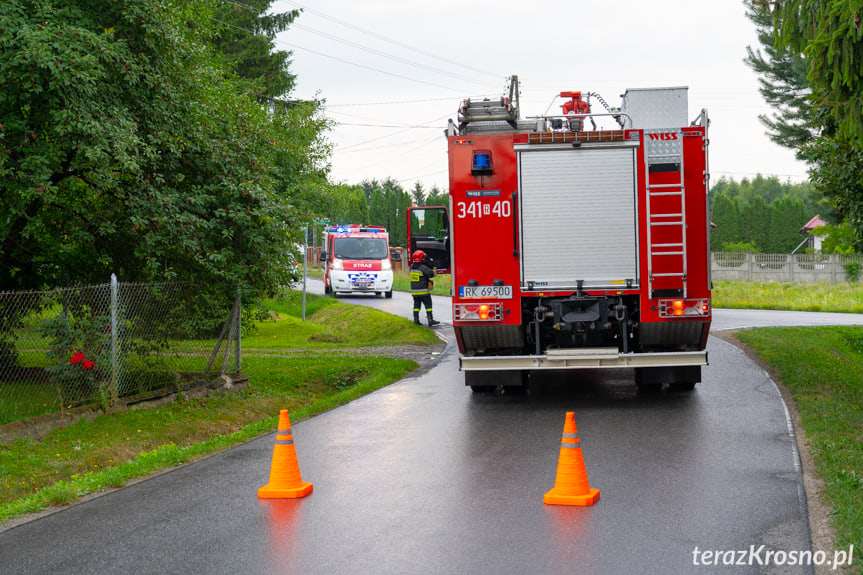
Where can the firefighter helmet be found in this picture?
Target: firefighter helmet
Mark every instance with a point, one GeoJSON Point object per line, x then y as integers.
{"type": "Point", "coordinates": [419, 257]}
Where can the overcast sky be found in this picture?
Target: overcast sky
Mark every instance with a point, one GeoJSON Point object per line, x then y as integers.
{"type": "Point", "coordinates": [393, 72]}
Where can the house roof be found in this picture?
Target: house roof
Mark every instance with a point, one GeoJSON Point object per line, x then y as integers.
{"type": "Point", "coordinates": [815, 222]}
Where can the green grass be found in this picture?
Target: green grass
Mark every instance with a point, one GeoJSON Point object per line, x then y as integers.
{"type": "Point", "coordinates": [112, 449]}
{"type": "Point", "coordinates": [330, 324]}
{"type": "Point", "coordinates": [828, 297]}
{"type": "Point", "coordinates": [822, 367]}
{"type": "Point", "coordinates": [31, 398]}
{"type": "Point", "coordinates": [402, 282]}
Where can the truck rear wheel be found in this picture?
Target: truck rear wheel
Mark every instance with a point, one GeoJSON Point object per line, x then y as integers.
{"type": "Point", "coordinates": [488, 381]}
{"type": "Point", "coordinates": [479, 381]}
{"type": "Point", "coordinates": [679, 378]}
{"type": "Point", "coordinates": [683, 386]}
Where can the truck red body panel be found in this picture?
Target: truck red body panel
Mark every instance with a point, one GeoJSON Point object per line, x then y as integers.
{"type": "Point", "coordinates": [575, 248]}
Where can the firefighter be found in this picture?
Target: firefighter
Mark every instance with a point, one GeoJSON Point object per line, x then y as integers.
{"type": "Point", "coordinates": [421, 284]}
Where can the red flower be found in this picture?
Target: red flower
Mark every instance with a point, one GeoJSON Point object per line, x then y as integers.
{"type": "Point", "coordinates": [78, 357]}
{"type": "Point", "coordinates": [88, 364]}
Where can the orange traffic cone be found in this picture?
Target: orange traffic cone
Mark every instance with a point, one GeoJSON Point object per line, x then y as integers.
{"type": "Point", "coordinates": [571, 486]}
{"type": "Point", "coordinates": [285, 479]}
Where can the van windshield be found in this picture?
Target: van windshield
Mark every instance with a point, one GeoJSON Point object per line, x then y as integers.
{"type": "Point", "coordinates": [360, 248]}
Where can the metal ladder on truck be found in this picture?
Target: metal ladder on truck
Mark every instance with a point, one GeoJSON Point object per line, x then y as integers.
{"type": "Point", "coordinates": [664, 155]}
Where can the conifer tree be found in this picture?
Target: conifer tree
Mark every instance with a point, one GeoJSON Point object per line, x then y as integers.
{"type": "Point", "coordinates": [783, 84]}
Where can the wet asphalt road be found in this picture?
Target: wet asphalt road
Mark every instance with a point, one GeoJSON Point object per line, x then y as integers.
{"type": "Point", "coordinates": [426, 477]}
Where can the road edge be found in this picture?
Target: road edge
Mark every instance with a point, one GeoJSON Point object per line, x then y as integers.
{"type": "Point", "coordinates": [821, 532]}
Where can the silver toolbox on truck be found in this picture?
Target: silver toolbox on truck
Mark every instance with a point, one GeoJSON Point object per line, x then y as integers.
{"type": "Point", "coordinates": [651, 108]}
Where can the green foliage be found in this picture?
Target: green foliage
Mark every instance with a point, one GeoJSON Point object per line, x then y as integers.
{"type": "Point", "coordinates": [124, 148]}
{"type": "Point", "coordinates": [437, 197]}
{"type": "Point", "coordinates": [852, 270]}
{"type": "Point", "coordinates": [79, 356]}
{"type": "Point", "coordinates": [828, 36]}
{"type": "Point", "coordinates": [419, 194]}
{"type": "Point", "coordinates": [725, 214]}
{"type": "Point", "coordinates": [842, 239]}
{"type": "Point", "coordinates": [762, 212]}
{"type": "Point", "coordinates": [373, 203]}
{"type": "Point", "coordinates": [782, 83]}
{"type": "Point", "coordinates": [246, 37]}
{"type": "Point", "coordinates": [838, 173]}
{"type": "Point", "coordinates": [739, 247]}
{"type": "Point", "coordinates": [348, 205]}
{"type": "Point", "coordinates": [379, 203]}
{"type": "Point", "coordinates": [378, 209]}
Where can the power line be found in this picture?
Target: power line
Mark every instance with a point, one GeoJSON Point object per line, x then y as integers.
{"type": "Point", "coordinates": [391, 126]}
{"type": "Point", "coordinates": [379, 71]}
{"type": "Point", "coordinates": [388, 135]}
{"type": "Point", "coordinates": [383, 54]}
{"type": "Point", "coordinates": [389, 40]}
{"type": "Point", "coordinates": [336, 57]}
{"type": "Point", "coordinates": [403, 153]}
{"type": "Point", "coordinates": [362, 47]}
{"type": "Point", "coordinates": [419, 101]}
{"type": "Point", "coordinates": [763, 174]}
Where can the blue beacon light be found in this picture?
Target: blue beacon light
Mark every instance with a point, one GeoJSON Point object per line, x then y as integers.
{"type": "Point", "coordinates": [481, 163]}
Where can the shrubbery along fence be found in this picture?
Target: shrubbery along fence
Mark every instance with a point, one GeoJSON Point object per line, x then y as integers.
{"type": "Point", "coordinates": [99, 344]}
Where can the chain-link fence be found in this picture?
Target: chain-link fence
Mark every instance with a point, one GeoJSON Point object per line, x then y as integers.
{"type": "Point", "coordinates": [98, 344]}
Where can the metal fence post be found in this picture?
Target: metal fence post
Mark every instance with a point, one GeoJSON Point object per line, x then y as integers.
{"type": "Point", "coordinates": [115, 376]}
{"type": "Point", "coordinates": [305, 266]}
{"type": "Point", "coordinates": [238, 350]}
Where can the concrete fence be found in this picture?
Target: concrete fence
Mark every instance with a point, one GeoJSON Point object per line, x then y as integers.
{"type": "Point", "coordinates": [786, 267]}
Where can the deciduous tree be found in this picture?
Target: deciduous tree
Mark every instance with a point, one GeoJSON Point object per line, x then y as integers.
{"type": "Point", "coordinates": [124, 148]}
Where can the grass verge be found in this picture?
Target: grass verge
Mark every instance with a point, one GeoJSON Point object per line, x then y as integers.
{"type": "Point", "coordinates": [402, 282]}
{"type": "Point", "coordinates": [311, 377]}
{"type": "Point", "coordinates": [822, 367]}
{"type": "Point", "coordinates": [828, 297]}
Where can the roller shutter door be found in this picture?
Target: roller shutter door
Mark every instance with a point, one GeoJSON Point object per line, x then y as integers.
{"type": "Point", "coordinates": [578, 217]}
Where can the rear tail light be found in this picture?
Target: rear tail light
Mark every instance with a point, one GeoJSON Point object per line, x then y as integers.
{"type": "Point", "coordinates": [684, 307]}
{"type": "Point", "coordinates": [478, 311]}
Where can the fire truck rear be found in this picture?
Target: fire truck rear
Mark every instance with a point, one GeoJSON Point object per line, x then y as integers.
{"type": "Point", "coordinates": [356, 259]}
{"type": "Point", "coordinates": [575, 245]}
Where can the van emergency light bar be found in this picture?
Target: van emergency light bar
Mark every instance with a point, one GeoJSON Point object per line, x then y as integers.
{"type": "Point", "coordinates": [355, 229]}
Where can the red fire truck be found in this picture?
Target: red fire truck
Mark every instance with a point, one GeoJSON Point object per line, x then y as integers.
{"type": "Point", "coordinates": [356, 259]}
{"type": "Point", "coordinates": [573, 245]}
